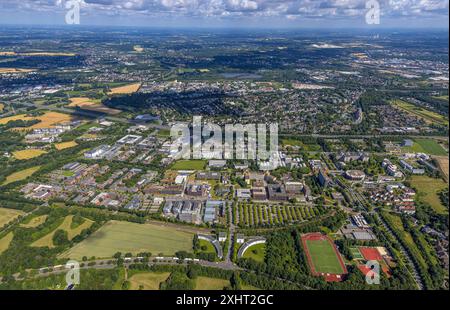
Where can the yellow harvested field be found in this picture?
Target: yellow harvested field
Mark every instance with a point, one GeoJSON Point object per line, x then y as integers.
{"type": "Point", "coordinates": [65, 145]}
{"type": "Point", "coordinates": [47, 240]}
{"type": "Point", "coordinates": [7, 215]}
{"type": "Point", "coordinates": [7, 53]}
{"type": "Point", "coordinates": [92, 105]}
{"type": "Point", "coordinates": [2, 106]}
{"type": "Point", "coordinates": [51, 54]}
{"type": "Point", "coordinates": [35, 221]}
{"type": "Point", "coordinates": [47, 120]}
{"type": "Point", "coordinates": [20, 175]}
{"type": "Point", "coordinates": [28, 154]}
{"type": "Point", "coordinates": [5, 242]}
{"type": "Point", "coordinates": [443, 165]}
{"type": "Point", "coordinates": [128, 89]}
{"type": "Point", "coordinates": [15, 70]}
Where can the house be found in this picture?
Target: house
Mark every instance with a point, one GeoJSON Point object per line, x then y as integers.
{"type": "Point", "coordinates": [222, 236]}
{"type": "Point", "coordinates": [240, 239]}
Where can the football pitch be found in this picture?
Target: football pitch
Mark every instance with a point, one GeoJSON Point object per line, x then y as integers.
{"type": "Point", "coordinates": [126, 237]}
{"type": "Point", "coordinates": [324, 257]}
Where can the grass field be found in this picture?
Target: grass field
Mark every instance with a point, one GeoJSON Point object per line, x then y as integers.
{"type": "Point", "coordinates": [256, 252]}
{"type": "Point", "coordinates": [7, 215]}
{"type": "Point", "coordinates": [149, 281]}
{"type": "Point", "coordinates": [47, 120]}
{"type": "Point", "coordinates": [323, 257]}
{"type": "Point", "coordinates": [356, 253]}
{"type": "Point", "coordinates": [207, 246]}
{"type": "Point", "coordinates": [92, 105]}
{"type": "Point", "coordinates": [442, 97]}
{"type": "Point", "coordinates": [47, 240]}
{"type": "Point", "coordinates": [65, 145]}
{"type": "Point", "coordinates": [21, 175]}
{"type": "Point", "coordinates": [127, 89]}
{"type": "Point", "coordinates": [428, 116]}
{"type": "Point", "coordinates": [204, 283]}
{"type": "Point", "coordinates": [297, 143]}
{"type": "Point", "coordinates": [28, 154]}
{"type": "Point", "coordinates": [34, 221]}
{"type": "Point", "coordinates": [189, 165]}
{"type": "Point", "coordinates": [443, 165]}
{"type": "Point", "coordinates": [134, 238]}
{"type": "Point", "coordinates": [5, 242]}
{"type": "Point", "coordinates": [427, 146]}
{"type": "Point", "coordinates": [428, 189]}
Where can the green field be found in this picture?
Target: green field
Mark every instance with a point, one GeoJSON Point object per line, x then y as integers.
{"type": "Point", "coordinates": [148, 281]}
{"type": "Point", "coordinates": [34, 221]}
{"type": "Point", "coordinates": [213, 284]}
{"type": "Point", "coordinates": [189, 165]}
{"type": "Point", "coordinates": [21, 175]}
{"type": "Point", "coordinates": [298, 143]}
{"type": "Point", "coordinates": [427, 146]}
{"type": "Point", "coordinates": [206, 246]}
{"type": "Point", "coordinates": [427, 115]}
{"type": "Point", "coordinates": [256, 252]}
{"type": "Point", "coordinates": [7, 215]}
{"type": "Point", "coordinates": [428, 189]}
{"type": "Point", "coordinates": [324, 257]}
{"type": "Point", "coordinates": [5, 241]}
{"type": "Point", "coordinates": [356, 253]}
{"type": "Point", "coordinates": [47, 240]}
{"type": "Point", "coordinates": [127, 237]}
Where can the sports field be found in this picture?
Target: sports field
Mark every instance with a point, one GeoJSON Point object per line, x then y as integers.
{"type": "Point", "coordinates": [356, 253]}
{"type": "Point", "coordinates": [126, 237]}
{"type": "Point", "coordinates": [47, 240]}
{"type": "Point", "coordinates": [7, 215]}
{"type": "Point", "coordinates": [323, 257]}
{"type": "Point", "coordinates": [428, 189]}
{"type": "Point", "coordinates": [28, 154]}
{"type": "Point", "coordinates": [427, 146]}
{"type": "Point", "coordinates": [189, 165]}
{"type": "Point", "coordinates": [20, 175]}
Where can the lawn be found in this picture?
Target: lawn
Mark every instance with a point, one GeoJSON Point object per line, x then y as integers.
{"type": "Point", "coordinates": [47, 240]}
{"type": "Point", "coordinates": [427, 115]}
{"type": "Point", "coordinates": [28, 154]}
{"type": "Point", "coordinates": [256, 252]}
{"type": "Point", "coordinates": [7, 215]}
{"type": "Point", "coordinates": [428, 189]}
{"type": "Point", "coordinates": [5, 242]}
{"type": "Point", "coordinates": [213, 284]}
{"type": "Point", "coordinates": [126, 237]}
{"type": "Point", "coordinates": [428, 146]}
{"type": "Point", "coordinates": [149, 281]}
{"type": "Point", "coordinates": [189, 165]}
{"type": "Point", "coordinates": [34, 221]}
{"type": "Point", "coordinates": [65, 145]}
{"type": "Point", "coordinates": [206, 246]}
{"type": "Point", "coordinates": [21, 175]}
{"type": "Point", "coordinates": [324, 257]}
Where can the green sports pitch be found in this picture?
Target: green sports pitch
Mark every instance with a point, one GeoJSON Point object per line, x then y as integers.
{"type": "Point", "coordinates": [324, 257]}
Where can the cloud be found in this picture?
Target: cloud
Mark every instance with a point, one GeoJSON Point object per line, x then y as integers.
{"type": "Point", "coordinates": [288, 9]}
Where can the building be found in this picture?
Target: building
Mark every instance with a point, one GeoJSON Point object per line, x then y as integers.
{"type": "Point", "coordinates": [196, 190]}
{"type": "Point", "coordinates": [277, 192]}
{"type": "Point", "coordinates": [294, 189]}
{"type": "Point", "coordinates": [259, 193]}
{"type": "Point", "coordinates": [208, 176]}
{"type": "Point", "coordinates": [360, 221]}
{"type": "Point", "coordinates": [410, 168]}
{"type": "Point", "coordinates": [212, 208]}
{"type": "Point", "coordinates": [243, 193]}
{"type": "Point", "coordinates": [130, 140]}
{"type": "Point", "coordinates": [217, 164]}
{"type": "Point", "coordinates": [98, 152]}
{"type": "Point", "coordinates": [324, 179]}
{"type": "Point", "coordinates": [355, 175]}
{"type": "Point", "coordinates": [222, 236]}
{"type": "Point", "coordinates": [240, 239]}
{"type": "Point", "coordinates": [407, 143]}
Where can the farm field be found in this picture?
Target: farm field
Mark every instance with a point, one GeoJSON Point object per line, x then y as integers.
{"type": "Point", "coordinates": [21, 175]}
{"type": "Point", "coordinates": [47, 240]}
{"type": "Point", "coordinates": [2, 106]}
{"type": "Point", "coordinates": [34, 221]}
{"type": "Point", "coordinates": [5, 242]}
{"type": "Point", "coordinates": [15, 70]}
{"type": "Point", "coordinates": [252, 215]}
{"type": "Point", "coordinates": [126, 237]}
{"type": "Point", "coordinates": [256, 252]}
{"type": "Point", "coordinates": [428, 189]}
{"type": "Point", "coordinates": [47, 120]}
{"type": "Point", "coordinates": [443, 165]}
{"type": "Point", "coordinates": [428, 116]}
{"type": "Point", "coordinates": [127, 89]}
{"type": "Point", "coordinates": [65, 145]}
{"type": "Point", "coordinates": [28, 154]}
{"type": "Point", "coordinates": [148, 281]}
{"type": "Point", "coordinates": [427, 146]}
{"type": "Point", "coordinates": [189, 165]}
{"type": "Point", "coordinates": [7, 215]}
{"type": "Point", "coordinates": [322, 255]}
{"type": "Point", "coordinates": [205, 283]}
{"type": "Point", "coordinates": [92, 105]}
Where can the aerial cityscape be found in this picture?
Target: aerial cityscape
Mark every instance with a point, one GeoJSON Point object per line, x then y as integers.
{"type": "Point", "coordinates": [223, 158]}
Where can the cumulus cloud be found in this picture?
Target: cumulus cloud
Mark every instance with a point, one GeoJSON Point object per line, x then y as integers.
{"type": "Point", "coordinates": [290, 9]}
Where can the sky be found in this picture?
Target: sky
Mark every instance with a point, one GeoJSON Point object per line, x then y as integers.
{"type": "Point", "coordinates": [232, 13]}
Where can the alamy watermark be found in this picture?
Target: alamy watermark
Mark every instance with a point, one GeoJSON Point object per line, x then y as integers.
{"type": "Point", "coordinates": [73, 11]}
{"type": "Point", "coordinates": [373, 15]}
{"type": "Point", "coordinates": [73, 275]}
{"type": "Point", "coordinates": [238, 142]}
